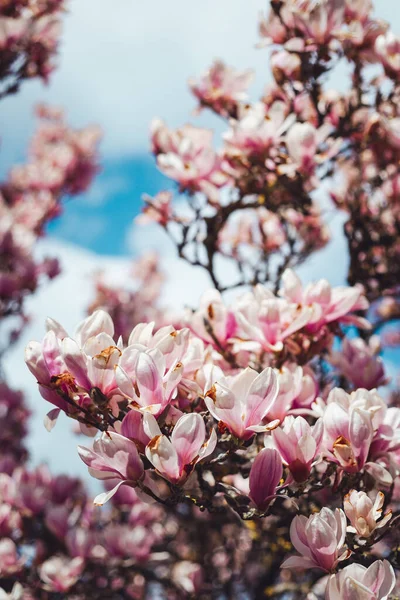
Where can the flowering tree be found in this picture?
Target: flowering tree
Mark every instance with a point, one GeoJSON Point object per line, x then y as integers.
{"type": "Point", "coordinates": [244, 447]}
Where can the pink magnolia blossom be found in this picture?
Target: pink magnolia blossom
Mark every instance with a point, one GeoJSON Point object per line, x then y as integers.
{"type": "Point", "coordinates": [358, 362]}
{"type": "Point", "coordinates": [176, 457]}
{"type": "Point", "coordinates": [9, 560]}
{"type": "Point", "coordinates": [356, 581]}
{"type": "Point", "coordinates": [256, 129]}
{"type": "Point", "coordinates": [271, 29]}
{"type": "Point", "coordinates": [220, 319]}
{"type": "Point", "coordinates": [266, 321]}
{"type": "Point", "coordinates": [302, 143]}
{"type": "Point", "coordinates": [187, 156]}
{"type": "Point", "coordinates": [143, 378]}
{"type": "Point", "coordinates": [157, 209]}
{"type": "Point", "coordinates": [113, 457]}
{"type": "Point", "coordinates": [174, 344]}
{"type": "Point", "coordinates": [188, 576]}
{"type": "Point", "coordinates": [285, 65]}
{"type": "Point", "coordinates": [81, 369]}
{"type": "Point", "coordinates": [80, 542]}
{"type": "Point", "coordinates": [317, 21]}
{"type": "Point", "coordinates": [60, 573]}
{"type": "Point", "coordinates": [241, 402]}
{"type": "Point", "coordinates": [347, 435]}
{"type": "Point", "coordinates": [221, 87]}
{"type": "Point", "coordinates": [320, 539]}
{"type": "Point", "coordinates": [265, 475]}
{"type": "Point", "coordinates": [125, 541]}
{"type": "Point", "coordinates": [298, 444]}
{"type": "Point", "coordinates": [387, 47]}
{"type": "Point", "coordinates": [297, 390]}
{"type": "Point", "coordinates": [365, 515]}
{"type": "Point", "coordinates": [327, 304]}
{"type": "Point", "coordinates": [358, 9]}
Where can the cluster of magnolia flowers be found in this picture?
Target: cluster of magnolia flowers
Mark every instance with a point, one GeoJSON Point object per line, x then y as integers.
{"type": "Point", "coordinates": [51, 521]}
{"type": "Point", "coordinates": [62, 161]}
{"type": "Point", "coordinates": [175, 404]}
{"type": "Point", "coordinates": [252, 196]}
{"type": "Point", "coordinates": [29, 36]}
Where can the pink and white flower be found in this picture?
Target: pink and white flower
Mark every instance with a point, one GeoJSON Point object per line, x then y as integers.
{"type": "Point", "coordinates": [242, 402]}
{"type": "Point", "coordinates": [221, 87]}
{"type": "Point", "coordinates": [113, 457]}
{"type": "Point", "coordinates": [298, 444]}
{"type": "Point", "coordinates": [143, 378]}
{"type": "Point", "coordinates": [365, 515]}
{"type": "Point", "coordinates": [358, 362]}
{"type": "Point", "coordinates": [356, 581]}
{"type": "Point", "coordinates": [175, 458]}
{"type": "Point", "coordinates": [265, 475]}
{"type": "Point", "coordinates": [326, 303]}
{"type": "Point", "coordinates": [265, 321]}
{"type": "Point", "coordinates": [319, 539]}
{"type": "Point", "coordinates": [60, 573]}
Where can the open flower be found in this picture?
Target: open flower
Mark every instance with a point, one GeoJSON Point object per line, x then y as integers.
{"type": "Point", "coordinates": [319, 539]}
{"type": "Point", "coordinates": [348, 433]}
{"type": "Point", "coordinates": [175, 458]}
{"type": "Point", "coordinates": [298, 444]}
{"type": "Point", "coordinates": [242, 401]}
{"type": "Point", "coordinates": [356, 581]}
{"type": "Point", "coordinates": [364, 514]}
{"type": "Point", "coordinates": [143, 378]}
{"type": "Point", "coordinates": [113, 457]}
{"type": "Point", "coordinates": [60, 573]}
{"type": "Point", "coordinates": [267, 321]}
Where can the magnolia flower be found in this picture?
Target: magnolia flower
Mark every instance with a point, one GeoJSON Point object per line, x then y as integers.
{"type": "Point", "coordinates": [285, 65]}
{"type": "Point", "coordinates": [358, 362]}
{"type": "Point", "coordinates": [10, 562]}
{"type": "Point", "coordinates": [125, 541]}
{"type": "Point", "coordinates": [143, 378]}
{"type": "Point", "coordinates": [221, 321]}
{"type": "Point", "coordinates": [241, 402]}
{"type": "Point", "coordinates": [387, 48]}
{"type": "Point", "coordinates": [319, 539]}
{"type": "Point", "coordinates": [347, 436]}
{"type": "Point", "coordinates": [187, 156]}
{"type": "Point", "coordinates": [176, 458]}
{"type": "Point", "coordinates": [298, 444]}
{"type": "Point", "coordinates": [266, 321]}
{"type": "Point", "coordinates": [363, 514]}
{"type": "Point", "coordinates": [60, 573]}
{"type": "Point", "coordinates": [81, 369]}
{"type": "Point", "coordinates": [113, 457]}
{"type": "Point", "coordinates": [326, 303]}
{"type": "Point", "coordinates": [157, 209]}
{"type": "Point", "coordinates": [302, 142]}
{"type": "Point", "coordinates": [317, 21]}
{"type": "Point", "coordinates": [358, 582]}
{"type": "Point", "coordinates": [297, 389]}
{"type": "Point", "coordinates": [188, 576]}
{"type": "Point", "coordinates": [221, 87]}
{"type": "Point", "coordinates": [256, 130]}
{"type": "Point", "coordinates": [265, 475]}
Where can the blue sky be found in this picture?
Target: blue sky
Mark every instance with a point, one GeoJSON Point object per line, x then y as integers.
{"type": "Point", "coordinates": [109, 207]}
